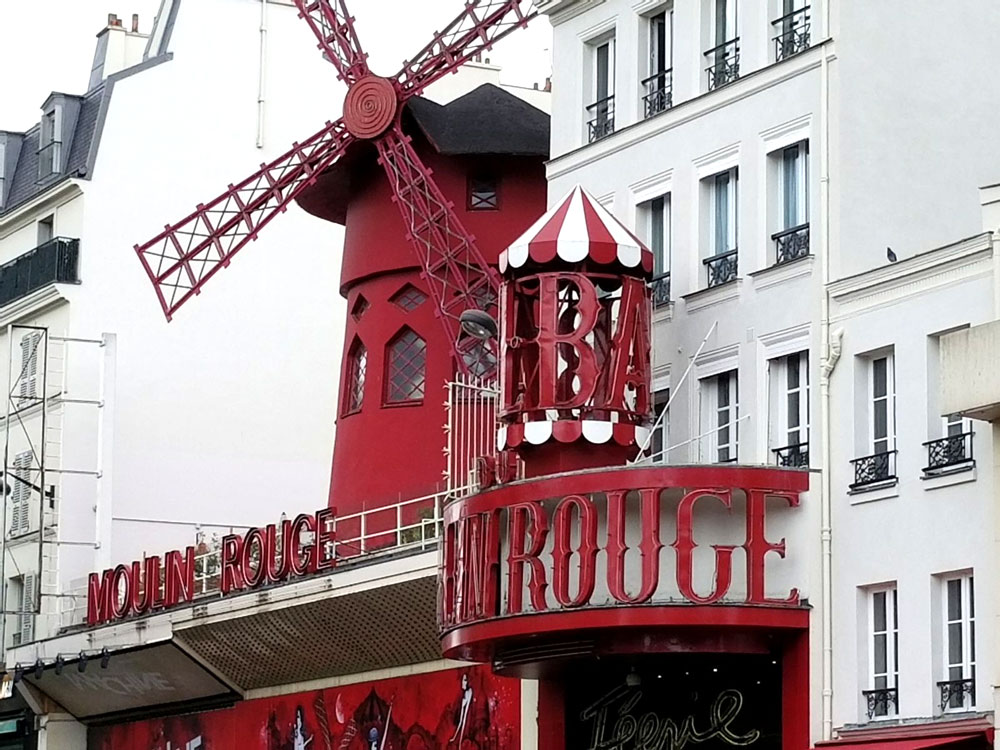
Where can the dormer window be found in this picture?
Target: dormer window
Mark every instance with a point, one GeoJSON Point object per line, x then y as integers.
{"type": "Point", "coordinates": [48, 144]}
{"type": "Point", "coordinates": [3, 167]}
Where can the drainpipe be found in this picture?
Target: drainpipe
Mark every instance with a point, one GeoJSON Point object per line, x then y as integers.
{"type": "Point", "coordinates": [831, 346]}
{"type": "Point", "coordinates": [262, 74]}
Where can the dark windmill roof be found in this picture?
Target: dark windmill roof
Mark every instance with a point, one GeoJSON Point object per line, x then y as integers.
{"type": "Point", "coordinates": [487, 121]}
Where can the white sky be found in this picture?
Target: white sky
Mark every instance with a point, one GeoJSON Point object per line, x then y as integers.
{"type": "Point", "coordinates": [49, 45]}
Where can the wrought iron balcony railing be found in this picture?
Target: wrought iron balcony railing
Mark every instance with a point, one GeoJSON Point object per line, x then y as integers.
{"type": "Point", "coordinates": [791, 244]}
{"type": "Point", "coordinates": [54, 261]}
{"type": "Point", "coordinates": [793, 34]}
{"type": "Point", "coordinates": [725, 64]}
{"type": "Point", "coordinates": [792, 456]}
{"type": "Point", "coordinates": [874, 469]}
{"type": "Point", "coordinates": [601, 119]}
{"type": "Point", "coordinates": [954, 693]}
{"type": "Point", "coordinates": [879, 701]}
{"type": "Point", "coordinates": [661, 290]}
{"type": "Point", "coordinates": [659, 93]}
{"type": "Point", "coordinates": [948, 452]}
{"type": "Point", "coordinates": [722, 268]}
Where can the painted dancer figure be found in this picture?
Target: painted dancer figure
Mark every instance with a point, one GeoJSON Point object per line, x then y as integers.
{"type": "Point", "coordinates": [299, 739]}
{"type": "Point", "coordinates": [462, 714]}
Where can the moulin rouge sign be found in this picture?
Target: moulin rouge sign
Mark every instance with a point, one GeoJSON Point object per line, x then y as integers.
{"type": "Point", "coordinates": [260, 556]}
{"type": "Point", "coordinates": [507, 553]}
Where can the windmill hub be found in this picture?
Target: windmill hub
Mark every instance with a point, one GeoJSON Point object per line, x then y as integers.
{"type": "Point", "coordinates": [370, 106]}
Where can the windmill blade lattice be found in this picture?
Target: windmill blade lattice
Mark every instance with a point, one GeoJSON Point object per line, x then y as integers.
{"type": "Point", "coordinates": [185, 255]}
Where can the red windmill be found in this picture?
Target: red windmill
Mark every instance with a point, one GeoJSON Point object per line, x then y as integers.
{"type": "Point", "coordinates": [182, 258]}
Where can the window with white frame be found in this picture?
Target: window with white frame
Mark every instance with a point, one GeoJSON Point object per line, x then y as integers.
{"type": "Point", "coordinates": [20, 494]}
{"type": "Point", "coordinates": [723, 55]}
{"type": "Point", "coordinates": [882, 403]}
{"type": "Point", "coordinates": [883, 652]}
{"type": "Point", "coordinates": [958, 689]}
{"type": "Point", "coordinates": [601, 113]}
{"type": "Point", "coordinates": [48, 144]}
{"type": "Point", "coordinates": [661, 426]}
{"type": "Point", "coordinates": [788, 399]}
{"type": "Point", "coordinates": [27, 381]}
{"type": "Point", "coordinates": [654, 215]}
{"type": "Point", "coordinates": [657, 86]}
{"type": "Point", "coordinates": [719, 417]}
{"type": "Point", "coordinates": [791, 240]}
{"type": "Point", "coordinates": [3, 167]}
{"type": "Point", "coordinates": [723, 199]}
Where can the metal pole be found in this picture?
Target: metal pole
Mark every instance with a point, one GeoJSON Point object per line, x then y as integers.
{"type": "Point", "coordinates": [3, 491]}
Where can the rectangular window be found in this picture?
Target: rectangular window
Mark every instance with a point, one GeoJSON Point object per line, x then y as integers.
{"type": "Point", "coordinates": [724, 21]}
{"type": "Point", "coordinates": [601, 113]}
{"type": "Point", "coordinates": [882, 397]}
{"type": "Point", "coordinates": [883, 652]}
{"type": "Point", "coordinates": [27, 379]}
{"type": "Point", "coordinates": [20, 494]}
{"type": "Point", "coordinates": [724, 204]}
{"type": "Point", "coordinates": [484, 194]}
{"type": "Point", "coordinates": [657, 85]}
{"type": "Point", "coordinates": [794, 180]}
{"type": "Point", "coordinates": [788, 391]}
{"type": "Point", "coordinates": [26, 618]}
{"type": "Point", "coordinates": [959, 687]}
{"type": "Point", "coordinates": [46, 229]}
{"type": "Point", "coordinates": [661, 423]}
{"type": "Point", "coordinates": [719, 417]}
{"type": "Point", "coordinates": [48, 146]}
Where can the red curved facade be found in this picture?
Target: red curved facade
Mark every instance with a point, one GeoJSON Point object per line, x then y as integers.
{"type": "Point", "coordinates": [384, 451]}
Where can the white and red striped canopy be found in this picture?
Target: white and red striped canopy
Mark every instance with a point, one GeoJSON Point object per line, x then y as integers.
{"type": "Point", "coordinates": [575, 229]}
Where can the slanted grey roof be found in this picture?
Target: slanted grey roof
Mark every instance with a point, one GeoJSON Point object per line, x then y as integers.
{"type": "Point", "coordinates": [23, 180]}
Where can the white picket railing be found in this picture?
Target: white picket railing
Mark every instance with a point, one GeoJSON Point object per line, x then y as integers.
{"type": "Point", "coordinates": [471, 430]}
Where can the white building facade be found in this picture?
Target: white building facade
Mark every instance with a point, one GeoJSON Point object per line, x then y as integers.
{"type": "Point", "coordinates": [815, 238]}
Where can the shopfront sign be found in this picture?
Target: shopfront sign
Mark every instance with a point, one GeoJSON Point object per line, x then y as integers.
{"type": "Point", "coordinates": [263, 555]}
{"type": "Point", "coordinates": [565, 542]}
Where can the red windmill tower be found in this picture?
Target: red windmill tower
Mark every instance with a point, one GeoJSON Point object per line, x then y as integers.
{"type": "Point", "coordinates": [443, 260]}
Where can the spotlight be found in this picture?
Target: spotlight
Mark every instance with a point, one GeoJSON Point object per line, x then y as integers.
{"type": "Point", "coordinates": [81, 666]}
{"type": "Point", "coordinates": [105, 657]}
{"type": "Point", "coordinates": [632, 679]}
{"type": "Point", "coordinates": [39, 669]}
{"type": "Point", "coordinates": [478, 324]}
{"type": "Point", "coordinates": [59, 664]}
{"type": "Point", "coordinates": [18, 672]}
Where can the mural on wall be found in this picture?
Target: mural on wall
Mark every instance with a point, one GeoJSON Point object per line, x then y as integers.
{"type": "Point", "coordinates": [464, 709]}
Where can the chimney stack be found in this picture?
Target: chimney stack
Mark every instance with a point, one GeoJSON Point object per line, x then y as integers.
{"type": "Point", "coordinates": [114, 22]}
{"type": "Point", "coordinates": [135, 23]}
{"type": "Point", "coordinates": [548, 83]}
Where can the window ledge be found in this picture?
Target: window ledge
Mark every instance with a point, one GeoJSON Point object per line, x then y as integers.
{"type": "Point", "coordinates": [961, 474]}
{"type": "Point", "coordinates": [401, 404]}
{"type": "Point", "coordinates": [664, 313]}
{"type": "Point", "coordinates": [714, 295]}
{"type": "Point", "coordinates": [779, 274]}
{"type": "Point", "coordinates": [874, 492]}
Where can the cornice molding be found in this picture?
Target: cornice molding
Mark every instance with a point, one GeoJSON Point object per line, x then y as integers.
{"type": "Point", "coordinates": [715, 295]}
{"type": "Point", "coordinates": [32, 304]}
{"type": "Point", "coordinates": [560, 11]}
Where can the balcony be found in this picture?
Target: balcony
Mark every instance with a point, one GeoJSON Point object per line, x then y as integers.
{"type": "Point", "coordinates": [55, 261]}
{"type": "Point", "coordinates": [659, 95]}
{"type": "Point", "coordinates": [660, 286]}
{"type": "Point", "coordinates": [722, 268]}
{"type": "Point", "coordinates": [957, 695]}
{"type": "Point", "coordinates": [791, 244]}
{"type": "Point", "coordinates": [725, 64]}
{"type": "Point", "coordinates": [792, 456]}
{"type": "Point", "coordinates": [949, 453]}
{"type": "Point", "coordinates": [601, 119]}
{"type": "Point", "coordinates": [793, 34]}
{"type": "Point", "coordinates": [879, 701]}
{"type": "Point", "coordinates": [870, 471]}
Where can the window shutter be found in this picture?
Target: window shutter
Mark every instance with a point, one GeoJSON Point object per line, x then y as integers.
{"type": "Point", "coordinates": [27, 618]}
{"type": "Point", "coordinates": [20, 494]}
{"type": "Point", "coordinates": [29, 365]}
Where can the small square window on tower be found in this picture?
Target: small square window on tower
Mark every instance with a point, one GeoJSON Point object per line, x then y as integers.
{"type": "Point", "coordinates": [484, 194]}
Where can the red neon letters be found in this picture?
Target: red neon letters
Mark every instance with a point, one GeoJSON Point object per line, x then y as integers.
{"type": "Point", "coordinates": [473, 585]}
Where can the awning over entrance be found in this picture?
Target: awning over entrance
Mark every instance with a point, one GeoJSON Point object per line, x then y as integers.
{"type": "Point", "coordinates": [966, 734]}
{"type": "Point", "coordinates": [957, 742]}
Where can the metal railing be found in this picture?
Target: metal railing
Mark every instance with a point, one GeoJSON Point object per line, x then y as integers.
{"type": "Point", "coordinates": [722, 268]}
{"type": "Point", "coordinates": [601, 119]}
{"type": "Point", "coordinates": [791, 244]}
{"type": "Point", "coordinates": [879, 700]}
{"type": "Point", "coordinates": [725, 64]}
{"type": "Point", "coordinates": [660, 286]}
{"type": "Point", "coordinates": [947, 452]}
{"type": "Point", "coordinates": [471, 430]}
{"type": "Point", "coordinates": [659, 93]}
{"type": "Point", "coordinates": [53, 261]}
{"type": "Point", "coordinates": [955, 692]}
{"type": "Point", "coordinates": [793, 34]}
{"type": "Point", "coordinates": [792, 456]}
{"type": "Point", "coordinates": [874, 469]}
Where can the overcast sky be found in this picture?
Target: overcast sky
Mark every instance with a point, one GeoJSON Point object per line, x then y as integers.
{"type": "Point", "coordinates": [49, 45]}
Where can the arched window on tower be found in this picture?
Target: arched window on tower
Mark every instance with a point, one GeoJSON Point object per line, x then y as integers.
{"type": "Point", "coordinates": [405, 366]}
{"type": "Point", "coordinates": [354, 384]}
